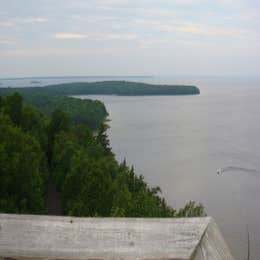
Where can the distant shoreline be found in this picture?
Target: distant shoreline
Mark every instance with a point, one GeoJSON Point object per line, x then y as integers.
{"type": "Point", "coordinates": [120, 88]}
{"type": "Point", "coordinates": [75, 77]}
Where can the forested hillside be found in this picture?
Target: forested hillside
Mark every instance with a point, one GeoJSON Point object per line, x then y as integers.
{"type": "Point", "coordinates": [80, 111]}
{"type": "Point", "coordinates": [36, 149]}
{"type": "Point", "coordinates": [89, 112]}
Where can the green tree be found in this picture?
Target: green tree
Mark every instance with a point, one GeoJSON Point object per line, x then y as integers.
{"type": "Point", "coordinates": [122, 199]}
{"type": "Point", "coordinates": [59, 122]}
{"type": "Point", "coordinates": [13, 107]}
{"type": "Point", "coordinates": [35, 123]}
{"type": "Point", "coordinates": [80, 163]}
{"type": "Point", "coordinates": [1, 103]}
{"type": "Point", "coordinates": [65, 147]}
{"type": "Point", "coordinates": [102, 138]}
{"type": "Point", "coordinates": [192, 209]}
{"type": "Point", "coordinates": [21, 184]}
{"type": "Point", "coordinates": [87, 188]}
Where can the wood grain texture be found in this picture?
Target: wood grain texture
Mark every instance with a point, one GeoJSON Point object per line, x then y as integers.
{"type": "Point", "coordinates": [212, 245]}
{"type": "Point", "coordinates": [49, 237]}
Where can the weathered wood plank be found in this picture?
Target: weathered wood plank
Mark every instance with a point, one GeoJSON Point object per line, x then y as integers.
{"type": "Point", "coordinates": [48, 237]}
{"type": "Point", "coordinates": [212, 245]}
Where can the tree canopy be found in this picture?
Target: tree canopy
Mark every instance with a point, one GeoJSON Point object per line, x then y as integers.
{"type": "Point", "coordinates": [36, 149]}
{"type": "Point", "coordinates": [126, 88]}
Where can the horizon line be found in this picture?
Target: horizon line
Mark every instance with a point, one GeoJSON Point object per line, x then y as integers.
{"type": "Point", "coordinates": [130, 76]}
{"type": "Point", "coordinates": [89, 76]}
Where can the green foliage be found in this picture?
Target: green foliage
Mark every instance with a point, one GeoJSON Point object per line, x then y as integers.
{"type": "Point", "coordinates": [102, 138]}
{"type": "Point", "coordinates": [87, 112]}
{"type": "Point", "coordinates": [13, 107]}
{"type": "Point", "coordinates": [90, 112]}
{"type": "Point", "coordinates": [80, 111]}
{"type": "Point", "coordinates": [117, 212]}
{"type": "Point", "coordinates": [64, 149]}
{"type": "Point", "coordinates": [59, 122]}
{"type": "Point", "coordinates": [21, 183]}
{"type": "Point", "coordinates": [122, 198]}
{"type": "Point", "coordinates": [35, 123]}
{"type": "Point", "coordinates": [191, 209]}
{"type": "Point", "coordinates": [36, 149]}
{"type": "Point", "coordinates": [87, 188]}
{"type": "Point", "coordinates": [112, 88]}
{"type": "Point", "coordinates": [1, 102]}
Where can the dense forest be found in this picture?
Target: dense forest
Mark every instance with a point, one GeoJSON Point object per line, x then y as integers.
{"type": "Point", "coordinates": [108, 88]}
{"type": "Point", "coordinates": [38, 149]}
{"type": "Point", "coordinates": [81, 111]}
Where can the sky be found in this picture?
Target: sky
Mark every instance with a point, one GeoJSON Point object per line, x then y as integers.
{"type": "Point", "coordinates": [129, 37]}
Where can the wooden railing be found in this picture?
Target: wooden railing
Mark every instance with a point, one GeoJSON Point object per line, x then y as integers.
{"type": "Point", "coordinates": [49, 237]}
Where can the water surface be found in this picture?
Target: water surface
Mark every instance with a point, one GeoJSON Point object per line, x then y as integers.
{"type": "Point", "coordinates": [180, 142]}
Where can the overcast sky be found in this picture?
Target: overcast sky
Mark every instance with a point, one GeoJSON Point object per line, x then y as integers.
{"type": "Point", "coordinates": [129, 37]}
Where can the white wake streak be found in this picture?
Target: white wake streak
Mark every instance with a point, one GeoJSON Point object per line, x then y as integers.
{"type": "Point", "coordinates": [238, 169]}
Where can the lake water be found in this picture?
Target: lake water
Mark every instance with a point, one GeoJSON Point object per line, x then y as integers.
{"type": "Point", "coordinates": [180, 142]}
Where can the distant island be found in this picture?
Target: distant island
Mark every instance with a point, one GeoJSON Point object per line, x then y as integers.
{"type": "Point", "coordinates": [89, 112]}
{"type": "Point", "coordinates": [121, 88]}
{"type": "Point", "coordinates": [35, 82]}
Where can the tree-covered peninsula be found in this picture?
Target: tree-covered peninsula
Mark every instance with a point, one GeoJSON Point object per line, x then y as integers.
{"type": "Point", "coordinates": [109, 88]}
{"type": "Point", "coordinates": [41, 150]}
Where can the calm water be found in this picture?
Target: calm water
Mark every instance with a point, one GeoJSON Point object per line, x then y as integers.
{"type": "Point", "coordinates": [179, 143]}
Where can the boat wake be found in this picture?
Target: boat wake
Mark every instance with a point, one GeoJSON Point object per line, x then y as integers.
{"type": "Point", "coordinates": [238, 169]}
